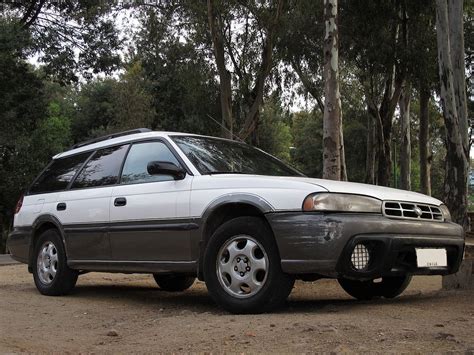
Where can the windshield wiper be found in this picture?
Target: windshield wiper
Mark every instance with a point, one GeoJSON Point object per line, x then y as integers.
{"type": "Point", "coordinates": [224, 172]}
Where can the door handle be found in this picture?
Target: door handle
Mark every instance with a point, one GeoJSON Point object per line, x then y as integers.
{"type": "Point", "coordinates": [120, 201]}
{"type": "Point", "coordinates": [61, 206]}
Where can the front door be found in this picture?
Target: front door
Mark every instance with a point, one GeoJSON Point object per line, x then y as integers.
{"type": "Point", "coordinates": [149, 214]}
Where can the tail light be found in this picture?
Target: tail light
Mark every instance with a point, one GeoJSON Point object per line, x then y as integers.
{"type": "Point", "coordinates": [19, 204]}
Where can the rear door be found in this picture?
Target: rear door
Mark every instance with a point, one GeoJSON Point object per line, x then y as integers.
{"type": "Point", "coordinates": [149, 214]}
{"type": "Point", "coordinates": [44, 192]}
{"type": "Point", "coordinates": [84, 209]}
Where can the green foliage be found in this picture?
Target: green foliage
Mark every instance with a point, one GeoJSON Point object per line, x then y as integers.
{"type": "Point", "coordinates": [107, 105]}
{"type": "Point", "coordinates": [181, 80]}
{"type": "Point", "coordinates": [274, 131]}
{"type": "Point", "coordinates": [307, 131]}
{"type": "Point", "coordinates": [71, 38]}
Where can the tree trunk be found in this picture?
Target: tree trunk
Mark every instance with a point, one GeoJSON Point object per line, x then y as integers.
{"type": "Point", "coordinates": [405, 144]}
{"type": "Point", "coordinates": [424, 141]}
{"type": "Point", "coordinates": [386, 112]}
{"type": "Point", "coordinates": [456, 36]}
{"type": "Point", "coordinates": [251, 119]}
{"type": "Point", "coordinates": [370, 154]}
{"type": "Point", "coordinates": [332, 119]}
{"type": "Point", "coordinates": [343, 156]}
{"type": "Point", "coordinates": [224, 75]}
{"type": "Point", "coordinates": [457, 156]}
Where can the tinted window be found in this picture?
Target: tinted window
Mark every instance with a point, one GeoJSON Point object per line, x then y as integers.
{"type": "Point", "coordinates": [219, 156]}
{"type": "Point", "coordinates": [135, 168]}
{"type": "Point", "coordinates": [57, 175]}
{"type": "Point", "coordinates": [102, 169]}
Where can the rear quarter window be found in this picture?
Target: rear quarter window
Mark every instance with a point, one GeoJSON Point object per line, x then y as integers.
{"type": "Point", "coordinates": [58, 174]}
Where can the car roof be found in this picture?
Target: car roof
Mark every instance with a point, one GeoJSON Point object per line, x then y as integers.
{"type": "Point", "coordinates": [125, 139]}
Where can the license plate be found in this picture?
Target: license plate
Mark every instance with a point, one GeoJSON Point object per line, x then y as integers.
{"type": "Point", "coordinates": [431, 257]}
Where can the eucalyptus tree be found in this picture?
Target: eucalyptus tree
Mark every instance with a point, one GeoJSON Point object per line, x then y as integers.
{"type": "Point", "coordinates": [301, 48]}
{"type": "Point", "coordinates": [243, 36]}
{"type": "Point", "coordinates": [332, 118]}
{"type": "Point", "coordinates": [450, 39]}
{"type": "Point", "coordinates": [373, 43]}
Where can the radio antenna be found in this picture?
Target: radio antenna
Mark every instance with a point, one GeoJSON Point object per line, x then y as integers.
{"type": "Point", "coordinates": [225, 128]}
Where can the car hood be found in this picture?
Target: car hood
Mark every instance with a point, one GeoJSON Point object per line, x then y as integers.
{"type": "Point", "coordinates": [309, 185]}
{"type": "Point", "coordinates": [379, 192]}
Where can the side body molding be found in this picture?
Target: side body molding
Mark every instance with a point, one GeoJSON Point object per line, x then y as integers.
{"type": "Point", "coordinates": [249, 199]}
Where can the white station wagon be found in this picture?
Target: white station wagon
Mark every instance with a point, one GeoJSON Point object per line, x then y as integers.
{"type": "Point", "coordinates": [180, 206]}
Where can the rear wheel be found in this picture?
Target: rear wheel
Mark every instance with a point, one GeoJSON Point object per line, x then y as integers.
{"type": "Point", "coordinates": [242, 267]}
{"type": "Point", "coordinates": [174, 283]}
{"type": "Point", "coordinates": [388, 287]}
{"type": "Point", "coordinates": [51, 274]}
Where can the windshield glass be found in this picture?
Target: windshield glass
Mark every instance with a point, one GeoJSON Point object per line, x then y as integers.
{"type": "Point", "coordinates": [219, 156]}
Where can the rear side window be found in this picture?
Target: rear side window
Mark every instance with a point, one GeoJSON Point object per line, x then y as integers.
{"type": "Point", "coordinates": [102, 169]}
{"type": "Point", "coordinates": [59, 174]}
{"type": "Point", "coordinates": [135, 168]}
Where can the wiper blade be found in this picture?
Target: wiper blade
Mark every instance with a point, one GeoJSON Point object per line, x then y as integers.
{"type": "Point", "coordinates": [224, 172]}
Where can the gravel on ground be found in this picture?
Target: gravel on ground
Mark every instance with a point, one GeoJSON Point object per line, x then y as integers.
{"type": "Point", "coordinates": [128, 313]}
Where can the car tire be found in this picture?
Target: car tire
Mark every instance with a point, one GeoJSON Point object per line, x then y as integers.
{"type": "Point", "coordinates": [174, 283]}
{"type": "Point", "coordinates": [389, 287]}
{"type": "Point", "coordinates": [51, 274]}
{"type": "Point", "coordinates": [242, 267]}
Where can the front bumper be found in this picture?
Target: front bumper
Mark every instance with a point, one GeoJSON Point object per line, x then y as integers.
{"type": "Point", "coordinates": [322, 243]}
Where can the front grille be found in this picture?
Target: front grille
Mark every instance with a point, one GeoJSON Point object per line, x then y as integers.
{"type": "Point", "coordinates": [408, 210]}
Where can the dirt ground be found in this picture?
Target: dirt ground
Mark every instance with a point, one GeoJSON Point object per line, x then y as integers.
{"type": "Point", "coordinates": [128, 313]}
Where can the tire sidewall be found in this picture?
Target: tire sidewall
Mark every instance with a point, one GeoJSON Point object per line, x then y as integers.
{"type": "Point", "coordinates": [64, 276]}
{"type": "Point", "coordinates": [257, 229]}
{"type": "Point", "coordinates": [174, 283]}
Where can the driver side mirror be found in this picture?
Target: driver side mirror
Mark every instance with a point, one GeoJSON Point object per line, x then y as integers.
{"type": "Point", "coordinates": [166, 168]}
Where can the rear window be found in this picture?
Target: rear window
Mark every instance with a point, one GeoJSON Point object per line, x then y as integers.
{"type": "Point", "coordinates": [102, 169]}
{"type": "Point", "coordinates": [58, 174]}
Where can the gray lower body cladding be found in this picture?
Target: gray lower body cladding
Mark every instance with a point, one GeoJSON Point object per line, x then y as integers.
{"type": "Point", "coordinates": [321, 243]}
{"type": "Point", "coordinates": [309, 243]}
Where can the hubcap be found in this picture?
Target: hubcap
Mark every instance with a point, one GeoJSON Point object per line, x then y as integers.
{"type": "Point", "coordinates": [242, 266]}
{"type": "Point", "coordinates": [47, 263]}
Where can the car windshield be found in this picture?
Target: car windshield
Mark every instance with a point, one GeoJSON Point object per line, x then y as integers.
{"type": "Point", "coordinates": [220, 156]}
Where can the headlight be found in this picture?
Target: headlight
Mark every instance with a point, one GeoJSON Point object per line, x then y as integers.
{"type": "Point", "coordinates": [445, 212]}
{"type": "Point", "coordinates": [341, 203]}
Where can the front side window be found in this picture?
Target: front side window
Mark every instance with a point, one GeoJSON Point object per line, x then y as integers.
{"type": "Point", "coordinates": [58, 174]}
{"type": "Point", "coordinates": [102, 169]}
{"type": "Point", "coordinates": [140, 154]}
{"type": "Point", "coordinates": [220, 156]}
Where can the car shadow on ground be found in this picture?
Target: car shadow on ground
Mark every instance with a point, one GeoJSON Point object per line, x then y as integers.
{"type": "Point", "coordinates": [334, 305]}
{"type": "Point", "coordinates": [195, 300]}
{"type": "Point", "coordinates": [198, 300]}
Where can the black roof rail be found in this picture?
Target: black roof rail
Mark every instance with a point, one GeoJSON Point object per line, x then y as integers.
{"type": "Point", "coordinates": [110, 136]}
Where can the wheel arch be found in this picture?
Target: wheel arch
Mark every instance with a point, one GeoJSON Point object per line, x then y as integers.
{"type": "Point", "coordinates": [224, 209]}
{"type": "Point", "coordinates": [39, 226]}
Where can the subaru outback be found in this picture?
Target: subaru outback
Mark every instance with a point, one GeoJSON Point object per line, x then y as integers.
{"type": "Point", "coordinates": [182, 206]}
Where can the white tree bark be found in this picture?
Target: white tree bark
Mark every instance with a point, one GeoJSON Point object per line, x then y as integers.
{"type": "Point", "coordinates": [456, 38]}
{"type": "Point", "coordinates": [332, 118]}
{"type": "Point", "coordinates": [457, 156]}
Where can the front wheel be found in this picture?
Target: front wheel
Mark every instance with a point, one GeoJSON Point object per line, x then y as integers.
{"type": "Point", "coordinates": [51, 274]}
{"type": "Point", "coordinates": [388, 287]}
{"type": "Point", "coordinates": [242, 267]}
{"type": "Point", "coordinates": [174, 283]}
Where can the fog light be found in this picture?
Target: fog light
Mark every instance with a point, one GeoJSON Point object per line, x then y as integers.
{"type": "Point", "coordinates": [360, 257]}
